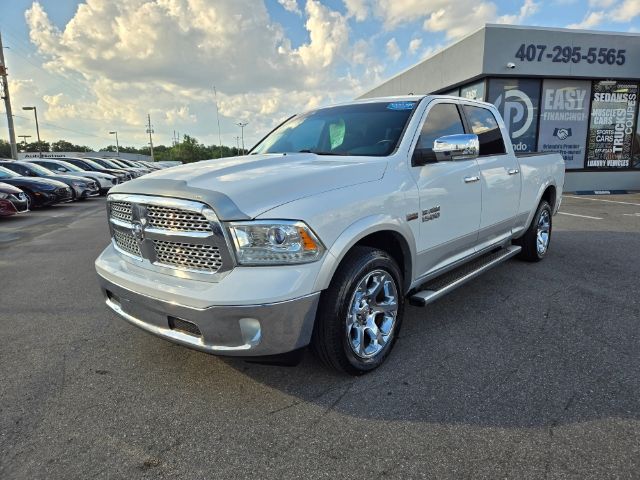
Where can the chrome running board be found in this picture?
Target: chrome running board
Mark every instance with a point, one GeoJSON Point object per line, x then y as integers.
{"type": "Point", "coordinates": [444, 284]}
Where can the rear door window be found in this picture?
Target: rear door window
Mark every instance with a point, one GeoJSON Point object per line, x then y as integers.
{"type": "Point", "coordinates": [483, 123]}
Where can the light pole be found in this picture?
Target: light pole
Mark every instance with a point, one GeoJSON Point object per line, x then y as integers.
{"type": "Point", "coordinates": [24, 139]}
{"type": "Point", "coordinates": [237, 145]}
{"type": "Point", "coordinates": [35, 112]}
{"type": "Point", "coordinates": [242, 125]}
{"type": "Point", "coordinates": [117, 146]}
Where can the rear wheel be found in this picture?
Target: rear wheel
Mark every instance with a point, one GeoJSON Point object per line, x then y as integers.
{"type": "Point", "coordinates": [360, 314]}
{"type": "Point", "coordinates": [535, 242]}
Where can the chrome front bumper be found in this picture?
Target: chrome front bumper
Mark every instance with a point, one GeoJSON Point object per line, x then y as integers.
{"type": "Point", "coordinates": [246, 330]}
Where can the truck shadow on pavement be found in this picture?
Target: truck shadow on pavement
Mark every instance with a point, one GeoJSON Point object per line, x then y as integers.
{"type": "Point", "coordinates": [525, 345]}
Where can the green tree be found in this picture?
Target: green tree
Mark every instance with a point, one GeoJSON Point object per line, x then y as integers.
{"type": "Point", "coordinates": [65, 146]}
{"type": "Point", "coordinates": [5, 149]}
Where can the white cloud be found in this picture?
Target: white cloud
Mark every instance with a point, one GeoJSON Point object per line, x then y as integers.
{"type": "Point", "coordinates": [458, 23]}
{"type": "Point", "coordinates": [357, 9]}
{"type": "Point", "coordinates": [164, 56]}
{"type": "Point", "coordinates": [290, 6]}
{"type": "Point", "coordinates": [393, 50]}
{"type": "Point", "coordinates": [414, 45]}
{"type": "Point", "coordinates": [625, 11]}
{"type": "Point", "coordinates": [591, 20]}
{"type": "Point", "coordinates": [528, 8]}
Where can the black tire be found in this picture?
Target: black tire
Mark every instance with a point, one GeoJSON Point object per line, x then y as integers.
{"type": "Point", "coordinates": [529, 241]}
{"type": "Point", "coordinates": [31, 197]}
{"type": "Point", "coordinates": [330, 340]}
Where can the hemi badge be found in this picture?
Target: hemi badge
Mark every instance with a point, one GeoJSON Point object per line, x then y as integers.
{"type": "Point", "coordinates": [412, 216]}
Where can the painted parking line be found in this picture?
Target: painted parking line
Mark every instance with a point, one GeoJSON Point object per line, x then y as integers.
{"type": "Point", "coordinates": [631, 214]}
{"type": "Point", "coordinates": [581, 216]}
{"type": "Point", "coordinates": [602, 200]}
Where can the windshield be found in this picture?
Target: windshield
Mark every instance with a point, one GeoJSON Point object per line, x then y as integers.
{"type": "Point", "coordinates": [371, 129]}
{"type": "Point", "coordinates": [6, 173]}
{"type": "Point", "coordinates": [105, 163]}
{"type": "Point", "coordinates": [70, 166]}
{"type": "Point", "coordinates": [92, 164]}
{"type": "Point", "coordinates": [39, 169]}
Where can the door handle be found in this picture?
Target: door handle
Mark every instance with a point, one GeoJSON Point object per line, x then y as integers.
{"type": "Point", "coordinates": [513, 171]}
{"type": "Point", "coordinates": [471, 179]}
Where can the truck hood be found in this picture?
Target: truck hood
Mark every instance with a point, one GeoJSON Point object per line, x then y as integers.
{"type": "Point", "coordinates": [244, 187]}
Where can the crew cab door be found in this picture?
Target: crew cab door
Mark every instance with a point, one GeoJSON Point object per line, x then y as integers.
{"type": "Point", "coordinates": [450, 200]}
{"type": "Point", "coordinates": [500, 178]}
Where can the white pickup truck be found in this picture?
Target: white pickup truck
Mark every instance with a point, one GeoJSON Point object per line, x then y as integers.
{"type": "Point", "coordinates": [321, 233]}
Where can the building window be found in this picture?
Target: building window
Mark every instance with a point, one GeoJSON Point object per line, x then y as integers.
{"type": "Point", "coordinates": [484, 124]}
{"type": "Point", "coordinates": [636, 145]}
{"type": "Point", "coordinates": [474, 91]}
{"type": "Point", "coordinates": [564, 120]}
{"type": "Point", "coordinates": [613, 121]}
{"type": "Point", "coordinates": [518, 101]}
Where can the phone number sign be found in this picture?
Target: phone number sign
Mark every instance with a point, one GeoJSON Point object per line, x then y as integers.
{"type": "Point", "coordinates": [532, 52]}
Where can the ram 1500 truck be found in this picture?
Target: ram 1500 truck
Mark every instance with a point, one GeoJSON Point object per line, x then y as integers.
{"type": "Point", "coordinates": [326, 228]}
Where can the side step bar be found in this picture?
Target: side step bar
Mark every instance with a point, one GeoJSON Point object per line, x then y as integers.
{"type": "Point", "coordinates": [444, 284]}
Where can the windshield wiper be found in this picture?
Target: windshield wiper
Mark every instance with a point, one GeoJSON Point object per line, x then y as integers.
{"type": "Point", "coordinates": [317, 152]}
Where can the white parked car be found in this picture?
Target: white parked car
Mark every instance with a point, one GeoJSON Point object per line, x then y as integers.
{"type": "Point", "coordinates": [321, 233]}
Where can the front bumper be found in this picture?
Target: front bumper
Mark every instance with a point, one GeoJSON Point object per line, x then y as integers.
{"type": "Point", "coordinates": [240, 330]}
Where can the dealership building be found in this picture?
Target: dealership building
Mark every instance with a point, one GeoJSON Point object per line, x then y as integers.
{"type": "Point", "coordinates": [569, 91]}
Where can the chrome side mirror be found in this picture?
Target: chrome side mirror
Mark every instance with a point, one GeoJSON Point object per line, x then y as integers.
{"type": "Point", "coordinates": [456, 147]}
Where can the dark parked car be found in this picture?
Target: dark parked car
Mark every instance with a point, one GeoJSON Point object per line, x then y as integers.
{"type": "Point", "coordinates": [12, 200]}
{"type": "Point", "coordinates": [41, 191]}
{"type": "Point", "coordinates": [104, 180]}
{"type": "Point", "coordinates": [81, 187]}
{"type": "Point", "coordinates": [92, 166]}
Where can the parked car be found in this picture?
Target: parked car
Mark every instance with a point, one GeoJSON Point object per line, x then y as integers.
{"type": "Point", "coordinates": [153, 166]}
{"type": "Point", "coordinates": [81, 187]}
{"type": "Point", "coordinates": [12, 200]}
{"type": "Point", "coordinates": [320, 234]}
{"type": "Point", "coordinates": [104, 180]}
{"type": "Point", "coordinates": [91, 166]}
{"type": "Point", "coordinates": [111, 163]}
{"type": "Point", "coordinates": [131, 164]}
{"type": "Point", "coordinates": [42, 192]}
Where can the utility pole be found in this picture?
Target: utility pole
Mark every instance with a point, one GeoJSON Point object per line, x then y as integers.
{"type": "Point", "coordinates": [7, 103]}
{"type": "Point", "coordinates": [117, 144]}
{"type": "Point", "coordinates": [242, 125]}
{"type": "Point", "coordinates": [215, 96]}
{"type": "Point", "coordinates": [150, 131]}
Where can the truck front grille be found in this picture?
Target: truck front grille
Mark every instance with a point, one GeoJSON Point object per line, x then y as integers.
{"type": "Point", "coordinates": [170, 233]}
{"type": "Point", "coordinates": [127, 242]}
{"type": "Point", "coordinates": [176, 219]}
{"type": "Point", "coordinates": [188, 256]}
{"type": "Point", "coordinates": [121, 211]}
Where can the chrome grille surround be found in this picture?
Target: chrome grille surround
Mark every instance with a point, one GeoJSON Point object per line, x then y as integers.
{"type": "Point", "coordinates": [177, 219]}
{"type": "Point", "coordinates": [173, 236]}
{"type": "Point", "coordinates": [121, 211]}
{"type": "Point", "coordinates": [193, 256]}
{"type": "Point", "coordinates": [126, 242]}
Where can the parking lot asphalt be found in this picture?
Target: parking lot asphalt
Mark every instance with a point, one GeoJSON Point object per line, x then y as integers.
{"type": "Point", "coordinates": [530, 371]}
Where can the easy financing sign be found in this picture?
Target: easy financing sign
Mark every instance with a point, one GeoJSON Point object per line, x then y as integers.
{"type": "Point", "coordinates": [564, 117]}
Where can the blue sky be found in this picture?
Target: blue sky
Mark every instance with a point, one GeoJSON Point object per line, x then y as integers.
{"type": "Point", "coordinates": [98, 65]}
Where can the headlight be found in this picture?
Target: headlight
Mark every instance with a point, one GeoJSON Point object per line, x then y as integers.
{"type": "Point", "coordinates": [279, 242]}
{"type": "Point", "coordinates": [3, 195]}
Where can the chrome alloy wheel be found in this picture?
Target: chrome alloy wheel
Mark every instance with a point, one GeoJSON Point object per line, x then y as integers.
{"type": "Point", "coordinates": [372, 314]}
{"type": "Point", "coordinates": [543, 232]}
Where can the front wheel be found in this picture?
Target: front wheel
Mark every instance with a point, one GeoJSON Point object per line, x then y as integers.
{"type": "Point", "coordinates": [535, 242]}
{"type": "Point", "coordinates": [360, 314]}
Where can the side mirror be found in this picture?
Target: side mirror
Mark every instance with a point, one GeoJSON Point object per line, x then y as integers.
{"type": "Point", "coordinates": [456, 147]}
